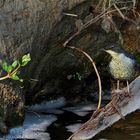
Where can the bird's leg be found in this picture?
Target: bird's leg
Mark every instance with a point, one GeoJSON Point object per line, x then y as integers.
{"type": "Point", "coordinates": [118, 85]}
{"type": "Point", "coordinates": [128, 90]}
{"type": "Point", "coordinates": [127, 86]}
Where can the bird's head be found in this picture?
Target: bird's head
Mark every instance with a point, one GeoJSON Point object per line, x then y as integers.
{"type": "Point", "coordinates": [114, 51]}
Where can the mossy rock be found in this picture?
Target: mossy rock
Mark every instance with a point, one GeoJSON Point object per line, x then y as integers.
{"type": "Point", "coordinates": [11, 105]}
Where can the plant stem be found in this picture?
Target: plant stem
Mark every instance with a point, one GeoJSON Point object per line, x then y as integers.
{"type": "Point", "coordinates": [10, 74]}
{"type": "Point", "coordinates": [5, 77]}
{"type": "Point", "coordinates": [13, 72]}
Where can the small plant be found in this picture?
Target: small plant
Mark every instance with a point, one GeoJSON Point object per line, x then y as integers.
{"type": "Point", "coordinates": [78, 76]}
{"type": "Point", "coordinates": [12, 70]}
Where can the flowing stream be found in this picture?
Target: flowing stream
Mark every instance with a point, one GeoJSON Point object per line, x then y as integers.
{"type": "Point", "coordinates": [55, 121]}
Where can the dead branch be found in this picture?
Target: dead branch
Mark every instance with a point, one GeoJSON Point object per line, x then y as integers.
{"type": "Point", "coordinates": [120, 103]}
{"type": "Point", "coordinates": [95, 68]}
{"type": "Point", "coordinates": [119, 11]}
{"type": "Point", "coordinates": [87, 24]}
{"type": "Point", "coordinates": [90, 22]}
{"type": "Point", "coordinates": [69, 14]}
{"type": "Point", "coordinates": [106, 10]}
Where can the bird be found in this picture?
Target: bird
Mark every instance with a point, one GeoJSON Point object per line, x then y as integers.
{"type": "Point", "coordinates": [122, 65]}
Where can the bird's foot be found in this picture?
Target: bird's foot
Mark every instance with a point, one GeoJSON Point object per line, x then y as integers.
{"type": "Point", "coordinates": [117, 96]}
{"type": "Point", "coordinates": [128, 94]}
{"type": "Point", "coordinates": [117, 91]}
{"type": "Point", "coordinates": [116, 107]}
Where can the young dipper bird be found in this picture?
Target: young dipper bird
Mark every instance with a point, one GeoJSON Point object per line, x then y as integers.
{"type": "Point", "coordinates": [122, 65]}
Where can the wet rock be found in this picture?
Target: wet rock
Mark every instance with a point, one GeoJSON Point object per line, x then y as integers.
{"type": "Point", "coordinates": [11, 106]}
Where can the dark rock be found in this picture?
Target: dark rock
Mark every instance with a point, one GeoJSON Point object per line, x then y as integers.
{"type": "Point", "coordinates": [11, 106]}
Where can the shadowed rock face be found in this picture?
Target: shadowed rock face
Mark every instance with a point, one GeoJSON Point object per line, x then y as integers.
{"type": "Point", "coordinates": [25, 27]}
{"type": "Point", "coordinates": [11, 106]}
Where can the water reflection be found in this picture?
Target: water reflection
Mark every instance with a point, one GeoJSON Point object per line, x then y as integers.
{"type": "Point", "coordinates": [128, 129]}
{"type": "Point", "coordinates": [65, 118]}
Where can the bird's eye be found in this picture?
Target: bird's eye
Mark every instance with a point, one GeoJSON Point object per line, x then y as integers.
{"type": "Point", "coordinates": [111, 46]}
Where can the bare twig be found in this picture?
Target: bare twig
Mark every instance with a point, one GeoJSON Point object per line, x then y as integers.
{"type": "Point", "coordinates": [99, 4]}
{"type": "Point", "coordinates": [84, 26]}
{"type": "Point", "coordinates": [99, 83]}
{"type": "Point", "coordinates": [4, 77]}
{"type": "Point", "coordinates": [69, 14]}
{"type": "Point", "coordinates": [15, 70]}
{"type": "Point", "coordinates": [123, 16]}
{"type": "Point", "coordinates": [70, 38]}
{"type": "Point", "coordinates": [134, 4]}
{"type": "Point", "coordinates": [92, 21]}
{"type": "Point", "coordinates": [95, 68]}
{"type": "Point", "coordinates": [119, 11]}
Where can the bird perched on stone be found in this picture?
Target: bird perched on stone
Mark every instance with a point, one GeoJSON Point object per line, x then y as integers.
{"type": "Point", "coordinates": [122, 65]}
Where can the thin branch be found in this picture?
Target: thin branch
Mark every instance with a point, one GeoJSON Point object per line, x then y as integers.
{"type": "Point", "coordinates": [87, 24]}
{"type": "Point", "coordinates": [99, 83]}
{"type": "Point", "coordinates": [4, 77]}
{"type": "Point", "coordinates": [13, 72]}
{"type": "Point", "coordinates": [97, 73]}
{"type": "Point", "coordinates": [119, 11]}
{"type": "Point", "coordinates": [134, 4]}
{"type": "Point", "coordinates": [70, 38]}
{"type": "Point", "coordinates": [69, 14]}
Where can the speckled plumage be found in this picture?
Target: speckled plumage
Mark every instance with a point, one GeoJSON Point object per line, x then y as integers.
{"type": "Point", "coordinates": [121, 66]}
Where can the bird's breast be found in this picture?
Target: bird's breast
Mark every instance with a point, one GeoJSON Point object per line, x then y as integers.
{"type": "Point", "coordinates": [122, 68]}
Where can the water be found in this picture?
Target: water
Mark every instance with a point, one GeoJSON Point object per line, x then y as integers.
{"type": "Point", "coordinates": [53, 121]}
{"type": "Point", "coordinates": [128, 129]}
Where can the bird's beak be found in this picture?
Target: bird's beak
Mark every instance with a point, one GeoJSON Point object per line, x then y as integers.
{"type": "Point", "coordinates": [102, 50]}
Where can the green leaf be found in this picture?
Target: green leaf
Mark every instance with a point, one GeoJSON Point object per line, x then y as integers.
{"type": "Point", "coordinates": [4, 65]}
{"type": "Point", "coordinates": [79, 76]}
{"type": "Point", "coordinates": [25, 59]}
{"type": "Point", "coordinates": [24, 63]}
{"type": "Point", "coordinates": [9, 68]}
{"type": "Point", "coordinates": [15, 77]}
{"type": "Point", "coordinates": [14, 64]}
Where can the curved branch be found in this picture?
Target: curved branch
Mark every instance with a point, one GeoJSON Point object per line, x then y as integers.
{"type": "Point", "coordinates": [97, 73]}
{"type": "Point", "coordinates": [13, 72]}
{"type": "Point", "coordinates": [4, 77]}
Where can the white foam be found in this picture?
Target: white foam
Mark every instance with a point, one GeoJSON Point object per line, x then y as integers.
{"type": "Point", "coordinates": [53, 104]}
{"type": "Point", "coordinates": [81, 110]}
{"type": "Point", "coordinates": [74, 127]}
{"type": "Point", "coordinates": [34, 127]}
